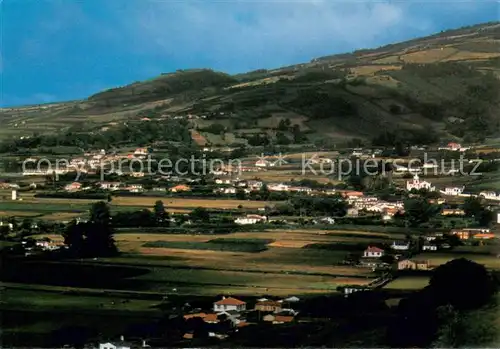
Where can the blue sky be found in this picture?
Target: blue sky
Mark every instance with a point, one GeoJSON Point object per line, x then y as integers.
{"type": "Point", "coordinates": [56, 50]}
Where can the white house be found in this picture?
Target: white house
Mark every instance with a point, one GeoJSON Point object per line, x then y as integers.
{"type": "Point", "coordinates": [453, 191]}
{"type": "Point", "coordinates": [373, 252]}
{"type": "Point", "coordinates": [490, 195]}
{"type": "Point", "coordinates": [400, 246]}
{"type": "Point", "coordinates": [327, 220]}
{"type": "Point", "coordinates": [250, 219]}
{"type": "Point", "coordinates": [223, 181]}
{"type": "Point", "coordinates": [135, 188]}
{"type": "Point", "coordinates": [429, 165]}
{"type": "Point", "coordinates": [417, 184]}
{"type": "Point", "coordinates": [429, 247]}
{"type": "Point", "coordinates": [109, 185]}
{"type": "Point", "coordinates": [228, 304]}
{"type": "Point", "coordinates": [256, 185]}
{"type": "Point", "coordinates": [278, 187]}
{"type": "Point", "coordinates": [264, 163]}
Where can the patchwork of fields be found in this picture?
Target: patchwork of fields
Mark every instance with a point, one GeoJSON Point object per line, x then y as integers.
{"type": "Point", "coordinates": [66, 209]}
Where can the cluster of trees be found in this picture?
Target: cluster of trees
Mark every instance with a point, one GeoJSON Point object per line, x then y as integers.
{"type": "Point", "coordinates": [159, 217]}
{"type": "Point", "coordinates": [321, 105]}
{"type": "Point", "coordinates": [402, 139]}
{"type": "Point", "coordinates": [474, 208]}
{"type": "Point", "coordinates": [417, 211]}
{"type": "Point", "coordinates": [214, 128]}
{"type": "Point", "coordinates": [334, 206]}
{"type": "Point", "coordinates": [93, 238]}
{"type": "Point", "coordinates": [133, 133]}
{"type": "Point", "coordinates": [474, 102]}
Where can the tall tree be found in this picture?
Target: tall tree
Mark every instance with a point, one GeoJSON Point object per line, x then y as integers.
{"type": "Point", "coordinates": [160, 214]}
{"type": "Point", "coordinates": [99, 232]}
{"type": "Point", "coordinates": [476, 284]}
{"type": "Point", "coordinates": [74, 237]}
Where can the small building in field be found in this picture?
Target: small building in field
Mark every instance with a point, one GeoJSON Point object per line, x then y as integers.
{"type": "Point", "coordinates": [400, 245]}
{"type": "Point", "coordinates": [276, 319]}
{"type": "Point", "coordinates": [429, 247]}
{"type": "Point", "coordinates": [264, 163]}
{"type": "Point", "coordinates": [453, 191]}
{"type": "Point", "coordinates": [269, 305]}
{"type": "Point", "coordinates": [373, 252]}
{"type": "Point", "coordinates": [407, 264]}
{"type": "Point", "coordinates": [75, 186]}
{"type": "Point", "coordinates": [250, 219]}
{"type": "Point", "coordinates": [452, 212]}
{"type": "Point", "coordinates": [180, 188]}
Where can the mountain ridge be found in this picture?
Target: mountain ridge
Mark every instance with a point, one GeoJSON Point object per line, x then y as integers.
{"type": "Point", "coordinates": [444, 84]}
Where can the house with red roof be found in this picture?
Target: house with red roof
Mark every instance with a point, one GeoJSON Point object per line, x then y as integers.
{"type": "Point", "coordinates": [373, 252]}
{"type": "Point", "coordinates": [229, 303]}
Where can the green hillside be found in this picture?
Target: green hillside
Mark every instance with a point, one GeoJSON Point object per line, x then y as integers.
{"type": "Point", "coordinates": [444, 86]}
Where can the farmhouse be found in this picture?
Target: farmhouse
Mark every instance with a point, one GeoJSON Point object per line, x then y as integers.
{"type": "Point", "coordinates": [453, 191]}
{"type": "Point", "coordinates": [452, 212]}
{"type": "Point", "coordinates": [373, 252]}
{"type": "Point", "coordinates": [75, 186]}
{"type": "Point", "coordinates": [180, 188]}
{"type": "Point", "coordinates": [417, 184]}
{"type": "Point", "coordinates": [255, 185]}
{"type": "Point", "coordinates": [264, 163]}
{"type": "Point", "coordinates": [135, 188]}
{"type": "Point", "coordinates": [278, 319]}
{"type": "Point", "coordinates": [109, 185]}
{"type": "Point", "coordinates": [228, 190]}
{"type": "Point", "coordinates": [278, 187]}
{"type": "Point", "coordinates": [250, 219]}
{"type": "Point", "coordinates": [429, 247]}
{"type": "Point", "coordinates": [222, 181]}
{"type": "Point", "coordinates": [400, 245]}
{"type": "Point", "coordinates": [300, 189]}
{"type": "Point", "coordinates": [352, 194]}
{"type": "Point", "coordinates": [141, 151]}
{"type": "Point", "coordinates": [268, 305]}
{"type": "Point", "coordinates": [229, 303]}
{"type": "Point", "coordinates": [137, 174]}
{"type": "Point", "coordinates": [453, 146]}
{"type": "Point", "coordinates": [406, 264]}
{"type": "Point", "coordinates": [489, 195]}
